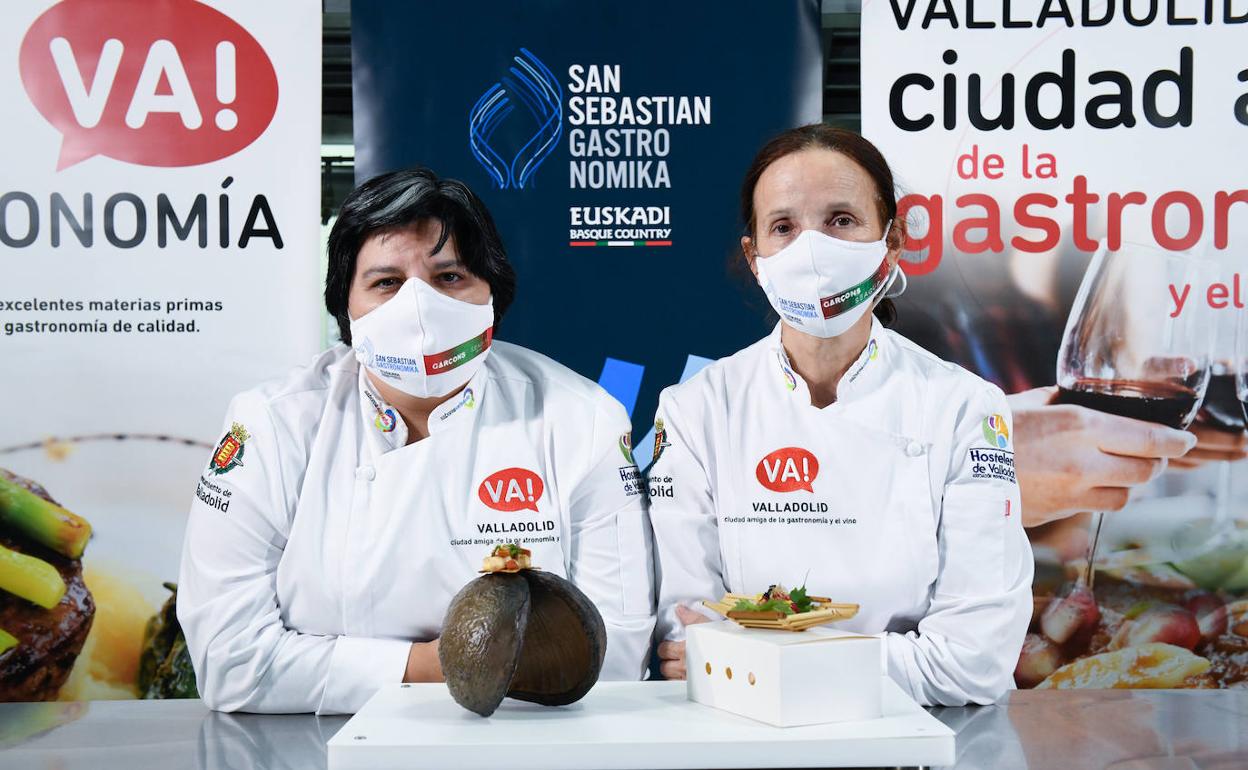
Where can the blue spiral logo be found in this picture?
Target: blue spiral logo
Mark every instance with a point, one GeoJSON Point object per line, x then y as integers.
{"type": "Point", "coordinates": [534, 86]}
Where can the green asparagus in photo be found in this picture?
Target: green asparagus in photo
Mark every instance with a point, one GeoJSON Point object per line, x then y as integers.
{"type": "Point", "coordinates": [46, 523]}
{"type": "Point", "coordinates": [32, 579]}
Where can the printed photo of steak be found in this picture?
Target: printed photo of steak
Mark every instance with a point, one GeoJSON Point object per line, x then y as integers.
{"type": "Point", "coordinates": [48, 640]}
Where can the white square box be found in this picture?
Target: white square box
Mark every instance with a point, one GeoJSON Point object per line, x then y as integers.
{"type": "Point", "coordinates": [784, 678]}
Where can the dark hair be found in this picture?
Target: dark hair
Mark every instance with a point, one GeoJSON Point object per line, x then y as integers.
{"type": "Point", "coordinates": [853, 146]}
{"type": "Point", "coordinates": [398, 200]}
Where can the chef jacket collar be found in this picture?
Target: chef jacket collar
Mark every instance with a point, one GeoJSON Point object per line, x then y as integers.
{"type": "Point", "coordinates": [863, 375]}
{"type": "Point", "coordinates": [384, 423]}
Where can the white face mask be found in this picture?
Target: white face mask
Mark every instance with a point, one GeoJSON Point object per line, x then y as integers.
{"type": "Point", "coordinates": [423, 342]}
{"type": "Point", "coordinates": [822, 285]}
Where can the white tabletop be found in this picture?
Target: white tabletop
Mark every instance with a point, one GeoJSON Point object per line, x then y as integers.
{"type": "Point", "coordinates": [623, 725]}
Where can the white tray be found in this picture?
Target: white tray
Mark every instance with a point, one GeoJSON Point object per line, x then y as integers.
{"type": "Point", "coordinates": [623, 725]}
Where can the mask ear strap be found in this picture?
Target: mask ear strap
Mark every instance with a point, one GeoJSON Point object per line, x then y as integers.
{"type": "Point", "coordinates": [905, 282]}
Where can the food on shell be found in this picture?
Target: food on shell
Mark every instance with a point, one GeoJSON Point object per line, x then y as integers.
{"type": "Point", "coordinates": [521, 633]}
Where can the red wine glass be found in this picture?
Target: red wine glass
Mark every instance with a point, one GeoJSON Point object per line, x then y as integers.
{"type": "Point", "coordinates": [1211, 550]}
{"type": "Point", "coordinates": [1126, 353]}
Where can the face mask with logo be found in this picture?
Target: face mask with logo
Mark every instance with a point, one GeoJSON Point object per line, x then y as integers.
{"type": "Point", "coordinates": [423, 342]}
{"type": "Point", "coordinates": [822, 285]}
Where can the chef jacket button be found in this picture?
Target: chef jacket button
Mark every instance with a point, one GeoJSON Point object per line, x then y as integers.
{"type": "Point", "coordinates": [914, 449]}
{"type": "Point", "coordinates": [366, 472]}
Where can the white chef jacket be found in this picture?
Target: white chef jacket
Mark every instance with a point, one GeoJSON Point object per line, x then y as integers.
{"type": "Point", "coordinates": [312, 564]}
{"type": "Point", "coordinates": [891, 497]}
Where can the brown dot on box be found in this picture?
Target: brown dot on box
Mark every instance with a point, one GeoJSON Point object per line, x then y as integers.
{"type": "Point", "coordinates": [708, 667]}
{"type": "Point", "coordinates": [728, 671]}
{"type": "Point", "coordinates": [751, 677]}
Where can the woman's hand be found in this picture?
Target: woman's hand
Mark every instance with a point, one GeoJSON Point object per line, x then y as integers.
{"type": "Point", "coordinates": [423, 664]}
{"type": "Point", "coordinates": [672, 654]}
{"type": "Point", "coordinates": [1072, 459]}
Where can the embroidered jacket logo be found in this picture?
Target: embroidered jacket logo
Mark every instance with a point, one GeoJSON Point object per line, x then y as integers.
{"type": "Point", "coordinates": [626, 446]}
{"type": "Point", "coordinates": [788, 470]}
{"type": "Point", "coordinates": [660, 440]}
{"type": "Point", "coordinates": [229, 453]}
{"type": "Point", "coordinates": [996, 431]}
{"type": "Point", "coordinates": [790, 381]}
{"type": "Point", "coordinates": [511, 489]}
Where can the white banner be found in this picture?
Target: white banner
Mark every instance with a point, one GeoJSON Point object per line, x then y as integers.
{"type": "Point", "coordinates": [1024, 136]}
{"type": "Point", "coordinates": [1046, 124]}
{"type": "Point", "coordinates": [159, 229]}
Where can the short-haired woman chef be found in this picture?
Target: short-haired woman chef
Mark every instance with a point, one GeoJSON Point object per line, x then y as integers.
{"type": "Point", "coordinates": [349, 501]}
{"type": "Point", "coordinates": [837, 453]}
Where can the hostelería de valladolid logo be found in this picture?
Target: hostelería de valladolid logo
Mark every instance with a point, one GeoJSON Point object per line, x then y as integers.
{"type": "Point", "coordinates": [626, 446]}
{"type": "Point", "coordinates": [229, 453]}
{"type": "Point", "coordinates": [996, 431]}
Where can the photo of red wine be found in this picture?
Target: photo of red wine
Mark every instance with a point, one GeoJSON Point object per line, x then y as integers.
{"type": "Point", "coordinates": [1169, 403]}
{"type": "Point", "coordinates": [1222, 408]}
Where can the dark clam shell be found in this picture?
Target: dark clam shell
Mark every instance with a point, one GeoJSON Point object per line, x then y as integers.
{"type": "Point", "coordinates": [531, 635]}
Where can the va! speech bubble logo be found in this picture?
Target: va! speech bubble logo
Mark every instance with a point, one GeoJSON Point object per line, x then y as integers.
{"type": "Point", "coordinates": [159, 83]}
{"type": "Point", "coordinates": [511, 489]}
{"type": "Point", "coordinates": [788, 470]}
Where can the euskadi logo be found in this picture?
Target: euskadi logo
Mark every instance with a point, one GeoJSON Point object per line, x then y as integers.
{"type": "Point", "coordinates": [157, 83]}
{"type": "Point", "coordinates": [511, 489]}
{"type": "Point", "coordinates": [996, 431]}
{"type": "Point", "coordinates": [517, 122]}
{"type": "Point", "coordinates": [788, 470]}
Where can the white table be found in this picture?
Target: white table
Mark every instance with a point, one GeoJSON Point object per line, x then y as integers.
{"type": "Point", "coordinates": [623, 725]}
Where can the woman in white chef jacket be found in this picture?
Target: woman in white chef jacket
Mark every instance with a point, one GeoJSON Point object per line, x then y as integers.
{"type": "Point", "coordinates": [837, 451]}
{"type": "Point", "coordinates": [349, 501]}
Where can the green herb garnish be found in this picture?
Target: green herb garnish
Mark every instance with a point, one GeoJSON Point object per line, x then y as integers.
{"type": "Point", "coordinates": [777, 599]}
{"type": "Point", "coordinates": [771, 605]}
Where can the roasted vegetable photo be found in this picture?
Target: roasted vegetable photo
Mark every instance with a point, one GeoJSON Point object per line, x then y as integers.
{"type": "Point", "coordinates": [46, 610]}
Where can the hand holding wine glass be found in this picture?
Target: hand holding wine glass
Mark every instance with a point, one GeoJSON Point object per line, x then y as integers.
{"type": "Point", "coordinates": [1071, 459]}
{"type": "Point", "coordinates": [1123, 354]}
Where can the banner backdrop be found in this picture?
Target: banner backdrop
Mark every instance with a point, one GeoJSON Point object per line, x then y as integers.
{"type": "Point", "coordinates": [1025, 136]}
{"type": "Point", "coordinates": [609, 141]}
{"type": "Point", "coordinates": [158, 254]}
